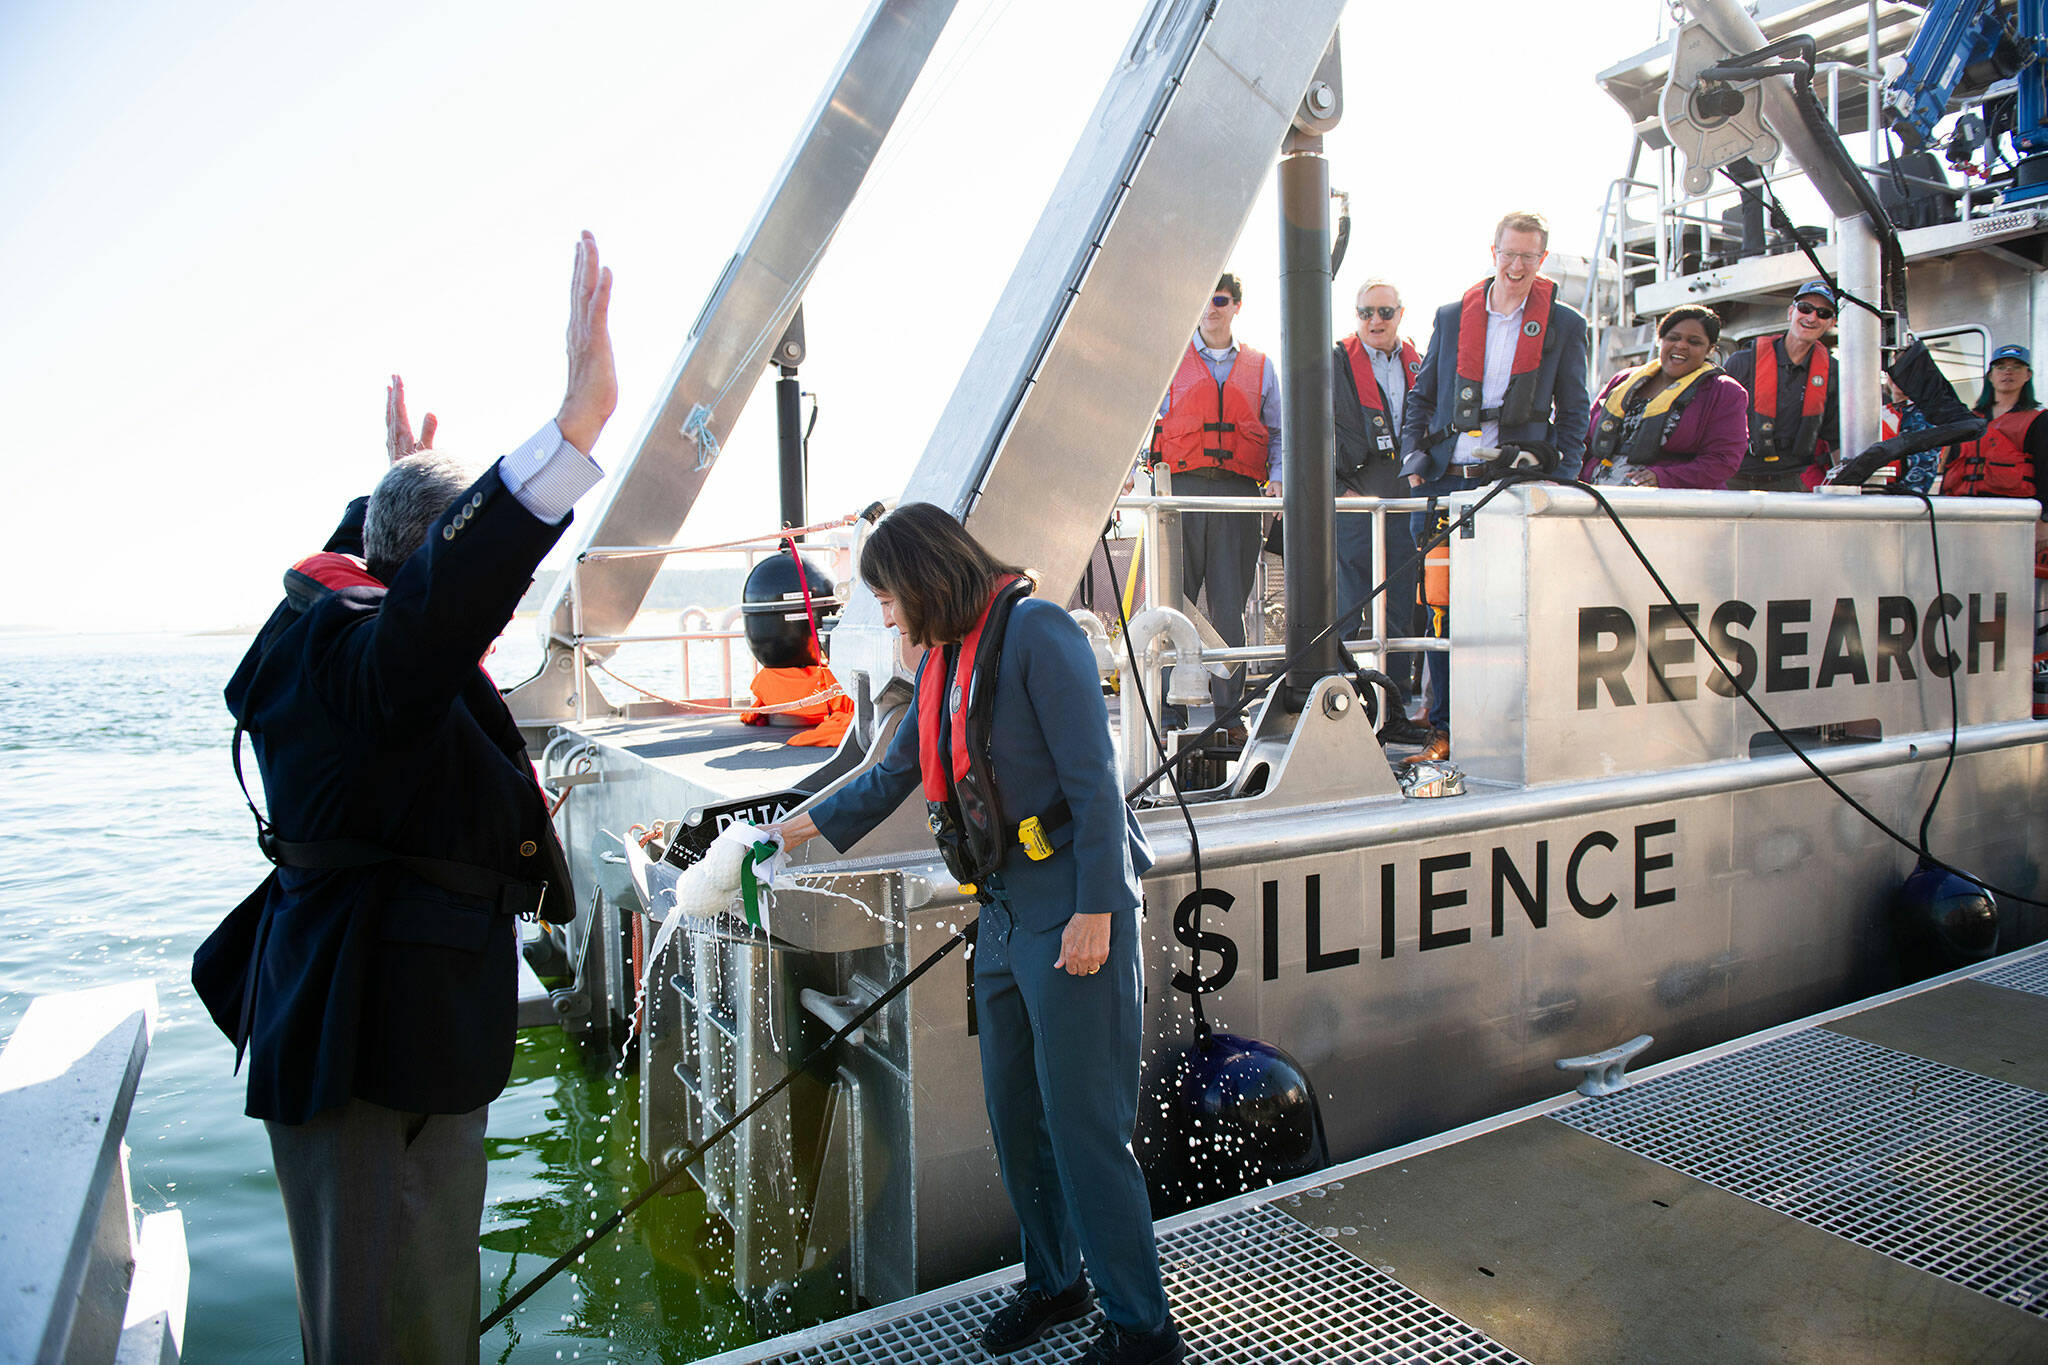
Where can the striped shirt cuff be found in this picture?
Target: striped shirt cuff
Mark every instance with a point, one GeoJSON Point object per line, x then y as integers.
{"type": "Point", "coordinates": [547, 474]}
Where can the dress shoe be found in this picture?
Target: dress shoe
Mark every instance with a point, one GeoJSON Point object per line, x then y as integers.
{"type": "Point", "coordinates": [1438, 748]}
{"type": "Point", "coordinates": [1025, 1318]}
{"type": "Point", "coordinates": [1118, 1345]}
{"type": "Point", "coordinates": [1401, 730]}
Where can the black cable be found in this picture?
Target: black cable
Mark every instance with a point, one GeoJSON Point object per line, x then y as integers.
{"type": "Point", "coordinates": [684, 1162]}
{"type": "Point", "coordinates": [1513, 477]}
{"type": "Point", "coordinates": [1955, 705]}
{"type": "Point", "coordinates": [1172, 780]}
{"type": "Point", "coordinates": [967, 932]}
{"type": "Point", "coordinates": [1768, 201]}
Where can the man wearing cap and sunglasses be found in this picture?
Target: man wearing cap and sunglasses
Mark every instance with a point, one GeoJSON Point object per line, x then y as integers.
{"type": "Point", "coordinates": [1219, 432]}
{"type": "Point", "coordinates": [1794, 403]}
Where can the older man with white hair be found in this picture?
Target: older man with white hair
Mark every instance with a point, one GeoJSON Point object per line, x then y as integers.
{"type": "Point", "coordinates": [1370, 375]}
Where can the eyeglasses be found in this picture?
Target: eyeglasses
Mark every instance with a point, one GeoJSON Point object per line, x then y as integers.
{"type": "Point", "coordinates": [1221, 300]}
{"type": "Point", "coordinates": [1815, 310]}
{"type": "Point", "coordinates": [1519, 257]}
{"type": "Point", "coordinates": [1386, 314]}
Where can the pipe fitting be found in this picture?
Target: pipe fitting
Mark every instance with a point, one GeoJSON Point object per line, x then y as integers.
{"type": "Point", "coordinates": [1098, 639]}
{"type": "Point", "coordinates": [1188, 684]}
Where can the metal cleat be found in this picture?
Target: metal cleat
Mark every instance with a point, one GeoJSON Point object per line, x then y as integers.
{"type": "Point", "coordinates": [1604, 1069]}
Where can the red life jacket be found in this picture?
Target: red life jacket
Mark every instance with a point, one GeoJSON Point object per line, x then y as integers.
{"type": "Point", "coordinates": [1215, 426]}
{"type": "Point", "coordinates": [1995, 465]}
{"type": "Point", "coordinates": [317, 575]}
{"type": "Point", "coordinates": [1765, 446]}
{"type": "Point", "coordinates": [1384, 439]}
{"type": "Point", "coordinates": [961, 804]}
{"type": "Point", "coordinates": [1518, 405]}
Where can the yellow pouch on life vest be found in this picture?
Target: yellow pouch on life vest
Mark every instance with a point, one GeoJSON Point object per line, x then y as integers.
{"type": "Point", "coordinates": [1031, 834]}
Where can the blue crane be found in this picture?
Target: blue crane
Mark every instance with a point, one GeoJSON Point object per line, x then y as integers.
{"type": "Point", "coordinates": [1968, 45]}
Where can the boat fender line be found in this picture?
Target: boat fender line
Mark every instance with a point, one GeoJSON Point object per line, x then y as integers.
{"type": "Point", "coordinates": [683, 1163]}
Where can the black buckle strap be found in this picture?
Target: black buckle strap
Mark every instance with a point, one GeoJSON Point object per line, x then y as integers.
{"type": "Point", "coordinates": [1219, 426]}
{"type": "Point", "coordinates": [514, 895]}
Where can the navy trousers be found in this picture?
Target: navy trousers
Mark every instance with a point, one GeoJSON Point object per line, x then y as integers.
{"type": "Point", "coordinates": [1355, 579]}
{"type": "Point", "coordinates": [1220, 550]}
{"type": "Point", "coordinates": [1059, 1071]}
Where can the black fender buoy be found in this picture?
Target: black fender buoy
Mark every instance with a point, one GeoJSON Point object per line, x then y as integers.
{"type": "Point", "coordinates": [777, 624]}
{"type": "Point", "coordinates": [1942, 921]}
{"type": "Point", "coordinates": [1234, 1114]}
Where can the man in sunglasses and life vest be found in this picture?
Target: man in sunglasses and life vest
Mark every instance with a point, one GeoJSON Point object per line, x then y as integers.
{"type": "Point", "coordinates": [1794, 406]}
{"type": "Point", "coordinates": [1370, 376]}
{"type": "Point", "coordinates": [1219, 433]}
{"type": "Point", "coordinates": [1504, 378]}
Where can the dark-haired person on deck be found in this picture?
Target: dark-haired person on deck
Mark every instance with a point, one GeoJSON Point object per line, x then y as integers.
{"type": "Point", "coordinates": [1675, 422]}
{"type": "Point", "coordinates": [1009, 738]}
{"type": "Point", "coordinates": [2006, 461]}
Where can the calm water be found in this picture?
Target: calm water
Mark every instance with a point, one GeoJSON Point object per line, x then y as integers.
{"type": "Point", "coordinates": [126, 840]}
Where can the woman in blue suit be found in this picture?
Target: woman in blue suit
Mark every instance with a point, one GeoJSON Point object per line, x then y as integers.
{"type": "Point", "coordinates": [1056, 972]}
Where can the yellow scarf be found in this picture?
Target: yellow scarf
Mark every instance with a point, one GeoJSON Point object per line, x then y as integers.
{"type": "Point", "coordinates": [1617, 397]}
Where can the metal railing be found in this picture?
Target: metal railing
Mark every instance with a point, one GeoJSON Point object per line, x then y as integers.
{"type": "Point", "coordinates": [587, 652]}
{"type": "Point", "coordinates": [1161, 515]}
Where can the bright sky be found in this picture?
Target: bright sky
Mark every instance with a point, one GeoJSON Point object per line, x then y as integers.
{"type": "Point", "coordinates": [224, 223]}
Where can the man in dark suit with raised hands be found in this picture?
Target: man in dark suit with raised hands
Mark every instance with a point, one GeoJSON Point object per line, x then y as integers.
{"type": "Point", "coordinates": [371, 979]}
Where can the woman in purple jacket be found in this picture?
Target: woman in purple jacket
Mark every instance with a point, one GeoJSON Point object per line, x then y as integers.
{"type": "Point", "coordinates": [1676, 422]}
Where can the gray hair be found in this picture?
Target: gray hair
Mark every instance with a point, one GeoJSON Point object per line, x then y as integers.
{"type": "Point", "coordinates": [1376, 282]}
{"type": "Point", "coordinates": [407, 503]}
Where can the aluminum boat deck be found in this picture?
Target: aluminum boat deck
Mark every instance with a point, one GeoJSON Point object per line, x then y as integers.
{"type": "Point", "coordinates": [1867, 1184]}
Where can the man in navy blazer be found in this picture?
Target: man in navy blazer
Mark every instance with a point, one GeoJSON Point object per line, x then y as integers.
{"type": "Point", "coordinates": [1505, 370]}
{"type": "Point", "coordinates": [372, 977]}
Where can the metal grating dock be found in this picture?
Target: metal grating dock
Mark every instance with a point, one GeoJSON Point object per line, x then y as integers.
{"type": "Point", "coordinates": [2029, 974]}
{"type": "Point", "coordinates": [1937, 1167]}
{"type": "Point", "coordinates": [1254, 1286]}
{"type": "Point", "coordinates": [1855, 1187]}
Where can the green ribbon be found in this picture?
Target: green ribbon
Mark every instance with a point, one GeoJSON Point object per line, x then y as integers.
{"type": "Point", "coordinates": [750, 885]}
